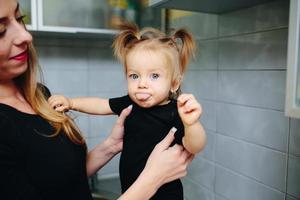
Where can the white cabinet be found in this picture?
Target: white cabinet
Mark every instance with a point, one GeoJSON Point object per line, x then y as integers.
{"type": "Point", "coordinates": [89, 16]}
{"type": "Point", "coordinates": [292, 104]}
{"type": "Point", "coordinates": [67, 16]}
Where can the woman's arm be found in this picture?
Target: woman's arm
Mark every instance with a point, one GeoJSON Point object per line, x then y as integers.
{"type": "Point", "coordinates": [89, 105]}
{"type": "Point", "coordinates": [190, 111]}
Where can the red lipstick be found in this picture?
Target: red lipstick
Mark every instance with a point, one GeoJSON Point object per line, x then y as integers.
{"type": "Point", "coordinates": [20, 57]}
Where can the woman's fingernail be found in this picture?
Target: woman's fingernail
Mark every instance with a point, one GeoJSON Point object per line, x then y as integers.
{"type": "Point", "coordinates": [173, 129]}
{"type": "Point", "coordinates": [130, 107]}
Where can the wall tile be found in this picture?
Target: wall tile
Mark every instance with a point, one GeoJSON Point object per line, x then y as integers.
{"type": "Point", "coordinates": [288, 197]}
{"type": "Point", "coordinates": [62, 58]}
{"type": "Point", "coordinates": [203, 84]}
{"type": "Point", "coordinates": [82, 121]}
{"type": "Point", "coordinates": [209, 150]}
{"type": "Point", "coordinates": [295, 137]}
{"type": "Point", "coordinates": [190, 193]}
{"type": "Point", "coordinates": [191, 21]}
{"type": "Point", "coordinates": [209, 115]}
{"type": "Point", "coordinates": [101, 125]}
{"type": "Point", "coordinates": [293, 182]}
{"type": "Point", "coordinates": [258, 18]}
{"type": "Point", "coordinates": [66, 81]}
{"type": "Point", "coordinates": [109, 187]}
{"type": "Point", "coordinates": [264, 127]}
{"type": "Point", "coordinates": [263, 50]}
{"type": "Point", "coordinates": [205, 55]}
{"type": "Point", "coordinates": [202, 171]}
{"type": "Point", "coordinates": [252, 161]}
{"type": "Point", "coordinates": [218, 197]}
{"type": "Point", "coordinates": [107, 81]}
{"type": "Point", "coordinates": [102, 58]}
{"type": "Point", "coordinates": [236, 187]}
{"type": "Point", "coordinates": [265, 89]}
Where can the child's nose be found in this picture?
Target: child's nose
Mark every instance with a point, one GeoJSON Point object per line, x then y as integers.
{"type": "Point", "coordinates": [143, 83]}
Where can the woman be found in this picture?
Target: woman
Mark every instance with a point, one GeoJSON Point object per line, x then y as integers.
{"type": "Point", "coordinates": [42, 154]}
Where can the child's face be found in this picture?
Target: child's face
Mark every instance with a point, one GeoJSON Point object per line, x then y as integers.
{"type": "Point", "coordinates": [149, 78]}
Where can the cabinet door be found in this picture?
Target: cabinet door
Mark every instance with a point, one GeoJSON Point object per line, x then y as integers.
{"type": "Point", "coordinates": [28, 8]}
{"type": "Point", "coordinates": [73, 16]}
{"type": "Point", "coordinates": [292, 104]}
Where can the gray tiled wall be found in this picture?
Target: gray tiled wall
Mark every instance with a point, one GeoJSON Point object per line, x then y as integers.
{"type": "Point", "coordinates": [239, 76]}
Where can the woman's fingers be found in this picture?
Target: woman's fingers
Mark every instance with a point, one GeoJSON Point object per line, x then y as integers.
{"type": "Point", "coordinates": [125, 112]}
{"type": "Point", "coordinates": [167, 141]}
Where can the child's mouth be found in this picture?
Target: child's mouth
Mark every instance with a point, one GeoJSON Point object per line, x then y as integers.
{"type": "Point", "coordinates": [142, 96]}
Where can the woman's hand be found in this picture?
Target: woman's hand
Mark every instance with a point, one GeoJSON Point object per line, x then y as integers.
{"type": "Point", "coordinates": [115, 139]}
{"type": "Point", "coordinates": [164, 164]}
{"type": "Point", "coordinates": [167, 163]}
{"type": "Point", "coordinates": [112, 145]}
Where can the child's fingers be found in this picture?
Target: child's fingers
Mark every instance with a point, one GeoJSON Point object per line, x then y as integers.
{"type": "Point", "coordinates": [61, 108]}
{"type": "Point", "coordinates": [191, 106]}
{"type": "Point", "coordinates": [53, 100]}
{"type": "Point", "coordinates": [56, 103]}
{"type": "Point", "coordinates": [183, 98]}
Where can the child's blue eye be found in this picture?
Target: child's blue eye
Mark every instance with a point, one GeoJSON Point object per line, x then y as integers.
{"type": "Point", "coordinates": [133, 76]}
{"type": "Point", "coordinates": [154, 76]}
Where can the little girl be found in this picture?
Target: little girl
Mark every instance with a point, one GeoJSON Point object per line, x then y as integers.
{"type": "Point", "coordinates": [154, 66]}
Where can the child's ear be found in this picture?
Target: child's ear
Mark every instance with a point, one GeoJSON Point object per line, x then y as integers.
{"type": "Point", "coordinates": [176, 84]}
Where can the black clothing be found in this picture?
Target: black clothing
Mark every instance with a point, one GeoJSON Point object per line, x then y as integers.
{"type": "Point", "coordinates": [34, 166]}
{"type": "Point", "coordinates": [144, 128]}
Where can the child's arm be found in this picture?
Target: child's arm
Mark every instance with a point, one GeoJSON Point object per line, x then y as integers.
{"type": "Point", "coordinates": [90, 105]}
{"type": "Point", "coordinates": [189, 111]}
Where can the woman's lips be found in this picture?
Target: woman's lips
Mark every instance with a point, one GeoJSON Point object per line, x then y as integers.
{"type": "Point", "coordinates": [20, 57]}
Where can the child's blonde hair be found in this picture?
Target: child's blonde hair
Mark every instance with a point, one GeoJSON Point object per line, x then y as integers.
{"type": "Point", "coordinates": [177, 48]}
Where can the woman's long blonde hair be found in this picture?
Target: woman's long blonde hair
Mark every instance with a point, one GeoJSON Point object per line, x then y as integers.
{"type": "Point", "coordinates": [35, 95]}
{"type": "Point", "coordinates": [178, 48]}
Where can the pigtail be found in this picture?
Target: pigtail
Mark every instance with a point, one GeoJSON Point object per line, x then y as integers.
{"type": "Point", "coordinates": [187, 49]}
{"type": "Point", "coordinates": [129, 35]}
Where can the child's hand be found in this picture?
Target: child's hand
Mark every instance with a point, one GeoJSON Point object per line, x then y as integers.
{"type": "Point", "coordinates": [189, 109]}
{"type": "Point", "coordinates": [60, 103]}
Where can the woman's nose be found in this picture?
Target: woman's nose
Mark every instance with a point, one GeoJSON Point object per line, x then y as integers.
{"type": "Point", "coordinates": [22, 35]}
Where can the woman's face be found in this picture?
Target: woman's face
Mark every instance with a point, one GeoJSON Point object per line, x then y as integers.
{"type": "Point", "coordinates": [14, 40]}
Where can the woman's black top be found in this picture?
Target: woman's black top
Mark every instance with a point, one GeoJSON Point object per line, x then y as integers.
{"type": "Point", "coordinates": [36, 166]}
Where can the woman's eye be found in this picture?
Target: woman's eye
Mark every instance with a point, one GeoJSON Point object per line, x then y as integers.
{"type": "Point", "coordinates": [2, 33]}
{"type": "Point", "coordinates": [20, 18]}
{"type": "Point", "coordinates": [2, 29]}
{"type": "Point", "coordinates": [154, 76]}
{"type": "Point", "coordinates": [133, 76]}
